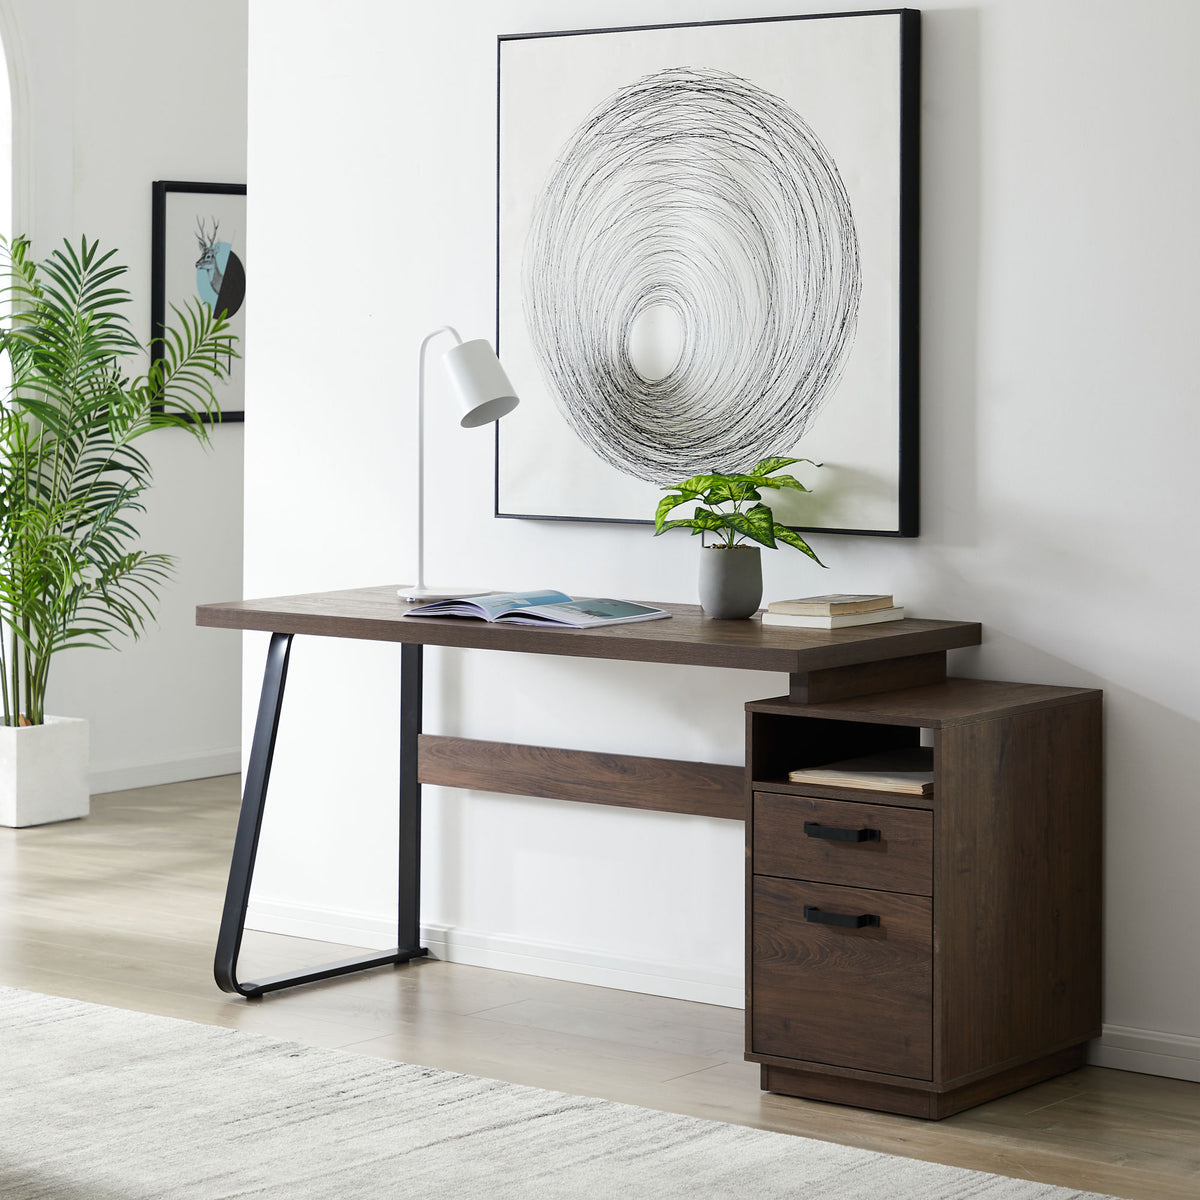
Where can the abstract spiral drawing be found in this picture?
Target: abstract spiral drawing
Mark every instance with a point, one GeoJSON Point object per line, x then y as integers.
{"type": "Point", "coordinates": [704, 236]}
{"type": "Point", "coordinates": [695, 192]}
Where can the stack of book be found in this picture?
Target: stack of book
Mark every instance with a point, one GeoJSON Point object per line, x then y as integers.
{"type": "Point", "coordinates": [831, 612]}
{"type": "Point", "coordinates": [907, 771]}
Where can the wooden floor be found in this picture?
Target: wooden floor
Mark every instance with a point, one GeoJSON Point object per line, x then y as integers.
{"type": "Point", "coordinates": [122, 909]}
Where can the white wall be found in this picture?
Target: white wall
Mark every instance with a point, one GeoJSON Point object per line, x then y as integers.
{"type": "Point", "coordinates": [107, 98]}
{"type": "Point", "coordinates": [1059, 427]}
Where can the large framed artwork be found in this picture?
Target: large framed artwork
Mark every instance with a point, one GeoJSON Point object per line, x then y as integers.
{"type": "Point", "coordinates": [198, 252]}
{"type": "Point", "coordinates": [707, 255]}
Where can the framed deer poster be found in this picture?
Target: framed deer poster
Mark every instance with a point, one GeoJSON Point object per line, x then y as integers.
{"type": "Point", "coordinates": [198, 254]}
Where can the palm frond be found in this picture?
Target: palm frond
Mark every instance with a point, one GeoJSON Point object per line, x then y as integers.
{"type": "Point", "coordinates": [196, 352]}
{"type": "Point", "coordinates": [71, 480]}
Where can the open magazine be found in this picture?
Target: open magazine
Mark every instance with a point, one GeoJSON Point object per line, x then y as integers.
{"type": "Point", "coordinates": [540, 608]}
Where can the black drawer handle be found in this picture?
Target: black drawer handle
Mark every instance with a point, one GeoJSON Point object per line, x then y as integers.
{"type": "Point", "coordinates": [849, 920]}
{"type": "Point", "coordinates": [834, 834]}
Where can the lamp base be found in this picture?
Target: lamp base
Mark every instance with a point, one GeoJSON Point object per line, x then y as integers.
{"type": "Point", "coordinates": [407, 591]}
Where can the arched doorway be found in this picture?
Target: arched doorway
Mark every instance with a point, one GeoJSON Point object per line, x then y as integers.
{"type": "Point", "coordinates": [9, 43]}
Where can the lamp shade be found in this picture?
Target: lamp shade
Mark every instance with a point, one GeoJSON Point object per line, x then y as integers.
{"type": "Point", "coordinates": [482, 386]}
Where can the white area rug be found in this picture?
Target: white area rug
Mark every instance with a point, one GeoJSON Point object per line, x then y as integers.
{"type": "Point", "coordinates": [102, 1104]}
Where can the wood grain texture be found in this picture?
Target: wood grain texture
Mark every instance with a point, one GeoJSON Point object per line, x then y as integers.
{"type": "Point", "coordinates": [1018, 917]}
{"type": "Point", "coordinates": [1016, 823]}
{"type": "Point", "coordinates": [866, 796]}
{"type": "Point", "coordinates": [628, 781]}
{"type": "Point", "coordinates": [907, 1100]}
{"type": "Point", "coordinates": [838, 684]}
{"type": "Point", "coordinates": [901, 860]}
{"type": "Point", "coordinates": [688, 637]}
{"type": "Point", "coordinates": [938, 706]}
{"type": "Point", "coordinates": [915, 1099]}
{"type": "Point", "coordinates": [847, 997]}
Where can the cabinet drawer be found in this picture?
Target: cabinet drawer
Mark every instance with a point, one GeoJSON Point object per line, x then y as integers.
{"type": "Point", "coordinates": [849, 997]}
{"type": "Point", "coordinates": [896, 854]}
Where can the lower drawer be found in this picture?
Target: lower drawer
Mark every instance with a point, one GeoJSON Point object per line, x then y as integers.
{"type": "Point", "coordinates": [849, 996]}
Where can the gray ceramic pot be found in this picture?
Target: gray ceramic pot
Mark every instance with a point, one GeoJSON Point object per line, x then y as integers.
{"type": "Point", "coordinates": [730, 581]}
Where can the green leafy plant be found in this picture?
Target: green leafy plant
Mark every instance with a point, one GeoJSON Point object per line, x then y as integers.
{"type": "Point", "coordinates": [731, 506]}
{"type": "Point", "coordinates": [71, 478]}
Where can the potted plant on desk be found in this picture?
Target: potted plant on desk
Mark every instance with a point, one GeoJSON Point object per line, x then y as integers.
{"type": "Point", "coordinates": [731, 506]}
{"type": "Point", "coordinates": [71, 481]}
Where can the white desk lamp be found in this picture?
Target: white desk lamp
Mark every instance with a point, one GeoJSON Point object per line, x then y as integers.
{"type": "Point", "coordinates": [486, 395]}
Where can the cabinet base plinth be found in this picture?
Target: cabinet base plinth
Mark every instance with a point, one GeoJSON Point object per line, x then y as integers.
{"type": "Point", "coordinates": [918, 1099]}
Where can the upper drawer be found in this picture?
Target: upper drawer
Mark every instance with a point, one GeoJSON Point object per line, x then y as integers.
{"type": "Point", "coordinates": [894, 855]}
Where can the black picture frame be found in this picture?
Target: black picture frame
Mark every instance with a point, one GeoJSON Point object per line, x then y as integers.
{"type": "Point", "coordinates": [898, 396]}
{"type": "Point", "coordinates": [175, 206]}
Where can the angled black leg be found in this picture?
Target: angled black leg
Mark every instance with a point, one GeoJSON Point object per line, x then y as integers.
{"type": "Point", "coordinates": [254, 798]}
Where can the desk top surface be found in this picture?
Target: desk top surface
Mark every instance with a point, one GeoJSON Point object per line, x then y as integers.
{"type": "Point", "coordinates": [688, 637]}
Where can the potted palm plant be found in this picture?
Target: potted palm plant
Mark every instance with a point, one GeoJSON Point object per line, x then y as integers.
{"type": "Point", "coordinates": [71, 485]}
{"type": "Point", "coordinates": [731, 507]}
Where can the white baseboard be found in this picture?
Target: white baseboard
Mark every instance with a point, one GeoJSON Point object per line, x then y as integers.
{"type": "Point", "coordinates": [166, 770]}
{"type": "Point", "coordinates": [321, 924]}
{"type": "Point", "coordinates": [1175, 1056]}
{"type": "Point", "coordinates": [1148, 1052]}
{"type": "Point", "coordinates": [680, 982]}
{"type": "Point", "coordinates": [472, 948]}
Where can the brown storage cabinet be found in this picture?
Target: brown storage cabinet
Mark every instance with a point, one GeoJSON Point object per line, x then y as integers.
{"type": "Point", "coordinates": [953, 954]}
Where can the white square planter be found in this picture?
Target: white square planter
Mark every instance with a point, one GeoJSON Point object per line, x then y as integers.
{"type": "Point", "coordinates": [44, 772]}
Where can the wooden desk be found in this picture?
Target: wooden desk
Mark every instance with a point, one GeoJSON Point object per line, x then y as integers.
{"type": "Point", "coordinates": [820, 665]}
{"type": "Point", "coordinates": [980, 913]}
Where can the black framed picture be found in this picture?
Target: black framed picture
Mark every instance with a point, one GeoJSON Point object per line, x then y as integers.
{"type": "Point", "coordinates": [198, 252]}
{"type": "Point", "coordinates": [707, 255]}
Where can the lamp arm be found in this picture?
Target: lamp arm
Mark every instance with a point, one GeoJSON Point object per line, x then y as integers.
{"type": "Point", "coordinates": [421, 447]}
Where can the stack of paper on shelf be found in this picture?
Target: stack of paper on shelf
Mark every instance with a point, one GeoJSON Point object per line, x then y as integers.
{"type": "Point", "coordinates": [831, 612]}
{"type": "Point", "coordinates": [908, 771]}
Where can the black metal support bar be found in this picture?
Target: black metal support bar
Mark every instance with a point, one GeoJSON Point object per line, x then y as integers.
{"type": "Point", "coordinates": [245, 846]}
{"type": "Point", "coordinates": [408, 909]}
{"type": "Point", "coordinates": [346, 966]}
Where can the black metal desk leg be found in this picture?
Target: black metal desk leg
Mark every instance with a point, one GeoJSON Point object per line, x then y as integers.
{"type": "Point", "coordinates": [254, 798]}
{"type": "Point", "coordinates": [408, 910]}
{"type": "Point", "coordinates": [245, 846]}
